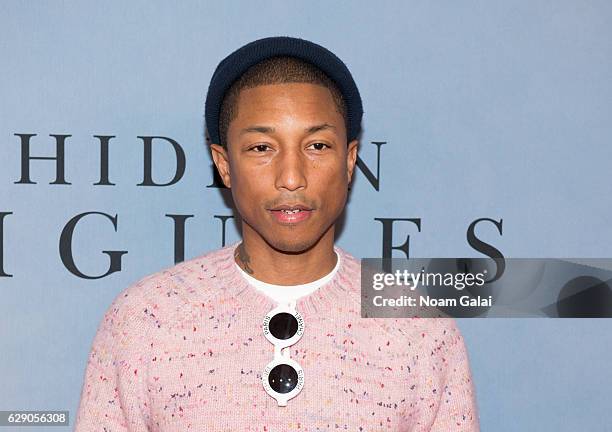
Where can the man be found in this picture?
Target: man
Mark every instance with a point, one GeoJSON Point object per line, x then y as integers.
{"type": "Point", "coordinates": [185, 349]}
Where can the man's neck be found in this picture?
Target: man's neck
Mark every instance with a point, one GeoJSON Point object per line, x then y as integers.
{"type": "Point", "coordinates": [267, 264]}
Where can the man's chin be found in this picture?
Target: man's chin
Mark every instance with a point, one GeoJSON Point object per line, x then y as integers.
{"type": "Point", "coordinates": [292, 245]}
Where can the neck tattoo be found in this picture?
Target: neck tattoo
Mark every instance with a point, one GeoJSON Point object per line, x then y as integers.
{"type": "Point", "coordinates": [243, 258]}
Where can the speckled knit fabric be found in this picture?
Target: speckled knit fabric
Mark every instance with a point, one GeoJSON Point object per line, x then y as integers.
{"type": "Point", "coordinates": [183, 349]}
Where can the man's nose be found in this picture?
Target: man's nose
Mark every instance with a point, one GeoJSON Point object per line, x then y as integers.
{"type": "Point", "coordinates": [291, 170]}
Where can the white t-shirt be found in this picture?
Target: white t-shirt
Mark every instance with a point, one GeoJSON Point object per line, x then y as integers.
{"type": "Point", "coordinates": [289, 293]}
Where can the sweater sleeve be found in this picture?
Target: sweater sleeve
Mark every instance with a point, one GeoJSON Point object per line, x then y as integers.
{"type": "Point", "coordinates": [111, 397]}
{"type": "Point", "coordinates": [457, 409]}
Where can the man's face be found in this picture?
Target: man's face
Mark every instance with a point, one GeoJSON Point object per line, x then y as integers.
{"type": "Point", "coordinates": [287, 147]}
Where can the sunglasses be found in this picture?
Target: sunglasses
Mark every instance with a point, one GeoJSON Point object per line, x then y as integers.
{"type": "Point", "coordinates": [283, 377]}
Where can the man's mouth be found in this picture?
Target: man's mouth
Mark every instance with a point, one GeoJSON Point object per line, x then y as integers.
{"type": "Point", "coordinates": [291, 215]}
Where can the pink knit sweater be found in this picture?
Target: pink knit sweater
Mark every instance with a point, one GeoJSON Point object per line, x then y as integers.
{"type": "Point", "coordinates": [183, 349]}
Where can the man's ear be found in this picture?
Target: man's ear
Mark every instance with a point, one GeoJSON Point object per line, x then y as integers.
{"type": "Point", "coordinates": [351, 158]}
{"type": "Point", "coordinates": [221, 160]}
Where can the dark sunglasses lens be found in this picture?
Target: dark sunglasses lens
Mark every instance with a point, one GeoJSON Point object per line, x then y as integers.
{"type": "Point", "coordinates": [283, 378]}
{"type": "Point", "coordinates": [283, 325]}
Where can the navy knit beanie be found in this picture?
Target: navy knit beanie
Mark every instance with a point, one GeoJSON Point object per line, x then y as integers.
{"type": "Point", "coordinates": [235, 64]}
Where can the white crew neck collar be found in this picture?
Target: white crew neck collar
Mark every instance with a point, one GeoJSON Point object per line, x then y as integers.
{"type": "Point", "coordinates": [289, 293]}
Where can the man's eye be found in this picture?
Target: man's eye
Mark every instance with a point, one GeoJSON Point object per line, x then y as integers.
{"type": "Point", "coordinates": [320, 145]}
{"type": "Point", "coordinates": [260, 148]}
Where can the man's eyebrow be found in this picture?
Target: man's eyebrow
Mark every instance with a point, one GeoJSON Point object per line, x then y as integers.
{"type": "Point", "coordinates": [270, 130]}
{"type": "Point", "coordinates": [317, 128]}
{"type": "Point", "coordinates": [261, 129]}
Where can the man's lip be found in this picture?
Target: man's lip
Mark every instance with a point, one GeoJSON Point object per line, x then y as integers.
{"type": "Point", "coordinates": [290, 207]}
{"type": "Point", "coordinates": [291, 218]}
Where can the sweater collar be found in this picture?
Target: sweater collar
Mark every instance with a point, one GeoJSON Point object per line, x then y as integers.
{"type": "Point", "coordinates": [343, 287]}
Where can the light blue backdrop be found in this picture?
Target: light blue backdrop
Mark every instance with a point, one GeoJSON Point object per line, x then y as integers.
{"type": "Point", "coordinates": [489, 109]}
